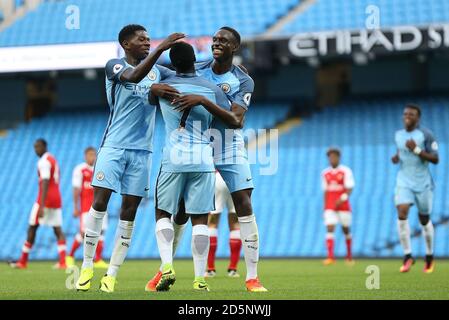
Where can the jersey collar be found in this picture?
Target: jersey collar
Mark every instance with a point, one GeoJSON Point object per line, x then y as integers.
{"type": "Point", "coordinates": [187, 75]}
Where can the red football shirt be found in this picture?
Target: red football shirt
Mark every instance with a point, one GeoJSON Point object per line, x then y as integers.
{"type": "Point", "coordinates": [48, 169]}
{"type": "Point", "coordinates": [82, 179]}
{"type": "Point", "coordinates": [335, 182]}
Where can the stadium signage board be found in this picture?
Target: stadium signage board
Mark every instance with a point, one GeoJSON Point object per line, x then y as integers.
{"type": "Point", "coordinates": [78, 56]}
{"type": "Point", "coordinates": [380, 41]}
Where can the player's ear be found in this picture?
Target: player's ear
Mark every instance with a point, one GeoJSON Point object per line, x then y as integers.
{"type": "Point", "coordinates": [235, 48]}
{"type": "Point", "coordinates": [125, 45]}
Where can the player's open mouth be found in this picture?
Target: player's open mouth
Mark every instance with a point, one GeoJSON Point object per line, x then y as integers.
{"type": "Point", "coordinates": [217, 51]}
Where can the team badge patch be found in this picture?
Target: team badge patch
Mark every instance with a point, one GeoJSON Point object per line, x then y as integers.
{"type": "Point", "coordinates": [434, 146]}
{"type": "Point", "coordinates": [225, 87]}
{"type": "Point", "coordinates": [100, 176]}
{"type": "Point", "coordinates": [152, 75]}
{"type": "Point", "coordinates": [116, 69]}
{"type": "Point", "coordinates": [247, 98]}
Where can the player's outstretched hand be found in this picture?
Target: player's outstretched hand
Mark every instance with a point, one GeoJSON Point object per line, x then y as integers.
{"type": "Point", "coordinates": [164, 91]}
{"type": "Point", "coordinates": [171, 40]}
{"type": "Point", "coordinates": [395, 159]}
{"type": "Point", "coordinates": [186, 102]}
{"type": "Point", "coordinates": [76, 213]}
{"type": "Point", "coordinates": [410, 144]}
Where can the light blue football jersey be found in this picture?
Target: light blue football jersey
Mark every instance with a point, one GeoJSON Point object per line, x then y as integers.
{"type": "Point", "coordinates": [187, 137]}
{"type": "Point", "coordinates": [131, 119]}
{"type": "Point", "coordinates": [414, 172]}
{"type": "Point", "coordinates": [238, 87]}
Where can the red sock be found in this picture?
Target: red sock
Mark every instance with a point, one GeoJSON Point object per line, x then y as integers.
{"type": "Point", "coordinates": [76, 244]}
{"type": "Point", "coordinates": [330, 248]}
{"type": "Point", "coordinates": [25, 251]}
{"type": "Point", "coordinates": [211, 255]}
{"type": "Point", "coordinates": [235, 244]}
{"type": "Point", "coordinates": [348, 247]}
{"type": "Point", "coordinates": [99, 251]}
{"type": "Point", "coordinates": [61, 251]}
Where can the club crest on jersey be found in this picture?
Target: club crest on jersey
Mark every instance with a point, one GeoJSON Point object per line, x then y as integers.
{"type": "Point", "coordinates": [116, 69]}
{"type": "Point", "coordinates": [247, 98]}
{"type": "Point", "coordinates": [152, 75]}
{"type": "Point", "coordinates": [434, 146]}
{"type": "Point", "coordinates": [100, 176]}
{"type": "Point", "coordinates": [225, 87]}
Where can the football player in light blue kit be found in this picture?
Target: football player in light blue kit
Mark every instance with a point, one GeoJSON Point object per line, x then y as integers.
{"type": "Point", "coordinates": [187, 172]}
{"type": "Point", "coordinates": [414, 184]}
{"type": "Point", "coordinates": [124, 158]}
{"type": "Point", "coordinates": [230, 155]}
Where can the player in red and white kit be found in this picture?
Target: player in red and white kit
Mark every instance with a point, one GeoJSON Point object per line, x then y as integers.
{"type": "Point", "coordinates": [47, 209]}
{"type": "Point", "coordinates": [223, 199]}
{"type": "Point", "coordinates": [337, 183]}
{"type": "Point", "coordinates": [83, 196]}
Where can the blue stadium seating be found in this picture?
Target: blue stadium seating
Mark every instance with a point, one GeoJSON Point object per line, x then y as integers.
{"type": "Point", "coordinates": [343, 14]}
{"type": "Point", "coordinates": [101, 20]}
{"type": "Point", "coordinates": [68, 133]}
{"type": "Point", "coordinates": [288, 204]}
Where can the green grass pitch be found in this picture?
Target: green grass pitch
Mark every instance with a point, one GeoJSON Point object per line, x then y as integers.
{"type": "Point", "coordinates": [285, 279]}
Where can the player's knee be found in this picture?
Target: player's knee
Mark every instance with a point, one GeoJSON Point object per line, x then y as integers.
{"type": "Point", "coordinates": [244, 207]}
{"type": "Point", "coordinates": [199, 219]}
{"type": "Point", "coordinates": [424, 219]}
{"type": "Point", "coordinates": [160, 214]}
{"type": "Point", "coordinates": [402, 213]}
{"type": "Point", "coordinates": [100, 204]}
{"type": "Point", "coordinates": [213, 220]}
{"type": "Point", "coordinates": [128, 213]}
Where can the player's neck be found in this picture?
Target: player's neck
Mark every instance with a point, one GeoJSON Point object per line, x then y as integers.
{"type": "Point", "coordinates": [132, 61]}
{"type": "Point", "coordinates": [221, 67]}
{"type": "Point", "coordinates": [411, 128]}
{"type": "Point", "coordinates": [190, 71]}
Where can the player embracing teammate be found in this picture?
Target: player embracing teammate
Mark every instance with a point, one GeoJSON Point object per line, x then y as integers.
{"type": "Point", "coordinates": [229, 153]}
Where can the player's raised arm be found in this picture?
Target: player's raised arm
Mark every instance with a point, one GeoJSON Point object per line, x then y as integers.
{"type": "Point", "coordinates": [162, 90]}
{"type": "Point", "coordinates": [135, 75]}
{"type": "Point", "coordinates": [189, 101]}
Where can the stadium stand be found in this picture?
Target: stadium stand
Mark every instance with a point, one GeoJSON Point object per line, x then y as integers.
{"type": "Point", "coordinates": [341, 14]}
{"type": "Point", "coordinates": [288, 206]}
{"type": "Point", "coordinates": [68, 133]}
{"type": "Point", "coordinates": [47, 24]}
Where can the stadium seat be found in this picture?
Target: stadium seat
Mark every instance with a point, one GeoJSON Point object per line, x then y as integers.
{"type": "Point", "coordinates": [46, 24]}
{"type": "Point", "coordinates": [340, 14]}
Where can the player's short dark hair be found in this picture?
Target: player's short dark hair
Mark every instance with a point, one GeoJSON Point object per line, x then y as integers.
{"type": "Point", "coordinates": [234, 33]}
{"type": "Point", "coordinates": [128, 31]}
{"type": "Point", "coordinates": [182, 56]}
{"type": "Point", "coordinates": [333, 150]}
{"type": "Point", "coordinates": [414, 106]}
{"type": "Point", "coordinates": [41, 140]}
{"type": "Point", "coordinates": [90, 148]}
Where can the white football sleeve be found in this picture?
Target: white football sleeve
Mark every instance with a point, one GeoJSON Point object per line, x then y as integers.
{"type": "Point", "coordinates": [44, 167]}
{"type": "Point", "coordinates": [77, 178]}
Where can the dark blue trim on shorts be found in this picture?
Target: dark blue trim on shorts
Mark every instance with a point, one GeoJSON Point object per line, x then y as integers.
{"type": "Point", "coordinates": [155, 188]}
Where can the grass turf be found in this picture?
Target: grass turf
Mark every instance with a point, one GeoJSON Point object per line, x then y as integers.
{"type": "Point", "coordinates": [285, 279]}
